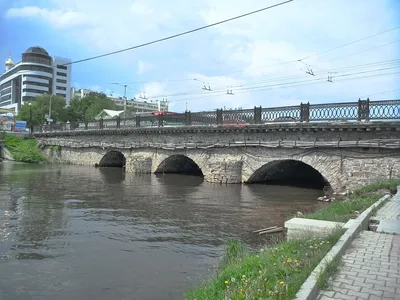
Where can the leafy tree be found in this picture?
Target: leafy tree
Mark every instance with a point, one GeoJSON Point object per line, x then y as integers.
{"type": "Point", "coordinates": [40, 108]}
{"type": "Point", "coordinates": [88, 107]}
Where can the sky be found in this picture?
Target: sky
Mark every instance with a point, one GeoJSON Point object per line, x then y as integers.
{"type": "Point", "coordinates": [282, 56]}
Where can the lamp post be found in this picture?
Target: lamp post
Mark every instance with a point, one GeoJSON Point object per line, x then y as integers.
{"type": "Point", "coordinates": [30, 118]}
{"type": "Point", "coordinates": [51, 95]}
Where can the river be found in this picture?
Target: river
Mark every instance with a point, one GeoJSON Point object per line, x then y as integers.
{"type": "Point", "coordinates": [72, 232]}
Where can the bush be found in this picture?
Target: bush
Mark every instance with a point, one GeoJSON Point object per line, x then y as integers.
{"type": "Point", "coordinates": [23, 150]}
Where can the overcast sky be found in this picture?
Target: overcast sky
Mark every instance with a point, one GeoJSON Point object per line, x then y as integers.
{"type": "Point", "coordinates": [255, 57]}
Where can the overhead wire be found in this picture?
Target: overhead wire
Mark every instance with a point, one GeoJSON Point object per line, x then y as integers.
{"type": "Point", "coordinates": [394, 63]}
{"type": "Point", "coordinates": [180, 34]}
{"type": "Point", "coordinates": [287, 85]}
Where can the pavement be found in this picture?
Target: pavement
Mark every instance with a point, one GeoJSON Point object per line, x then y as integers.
{"type": "Point", "coordinates": [370, 268]}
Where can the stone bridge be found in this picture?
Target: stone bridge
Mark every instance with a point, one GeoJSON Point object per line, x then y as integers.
{"type": "Point", "coordinates": [340, 156]}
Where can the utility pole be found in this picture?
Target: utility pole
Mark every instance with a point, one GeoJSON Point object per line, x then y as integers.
{"type": "Point", "coordinates": [125, 99]}
{"type": "Point", "coordinates": [125, 102]}
{"type": "Point", "coordinates": [51, 95]}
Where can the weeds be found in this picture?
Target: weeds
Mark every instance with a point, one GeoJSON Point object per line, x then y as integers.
{"type": "Point", "coordinates": [358, 201]}
{"type": "Point", "coordinates": [329, 270]}
{"type": "Point", "coordinates": [23, 150]}
{"type": "Point", "coordinates": [274, 273]}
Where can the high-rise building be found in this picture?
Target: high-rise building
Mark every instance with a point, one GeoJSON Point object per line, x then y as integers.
{"type": "Point", "coordinates": [38, 73]}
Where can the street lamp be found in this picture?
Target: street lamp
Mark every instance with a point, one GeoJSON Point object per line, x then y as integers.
{"type": "Point", "coordinates": [51, 96]}
{"type": "Point", "coordinates": [30, 118]}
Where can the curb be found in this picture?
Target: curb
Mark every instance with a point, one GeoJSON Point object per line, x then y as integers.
{"type": "Point", "coordinates": [309, 290]}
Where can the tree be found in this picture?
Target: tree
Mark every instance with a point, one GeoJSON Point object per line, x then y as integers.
{"type": "Point", "coordinates": [40, 108]}
{"type": "Point", "coordinates": [88, 107]}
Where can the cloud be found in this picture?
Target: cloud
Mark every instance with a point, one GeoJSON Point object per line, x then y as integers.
{"type": "Point", "coordinates": [256, 57]}
{"type": "Point", "coordinates": [144, 67]}
{"type": "Point", "coordinates": [95, 88]}
{"type": "Point", "coordinates": [57, 18]}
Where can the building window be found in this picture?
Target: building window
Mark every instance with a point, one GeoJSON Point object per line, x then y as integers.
{"type": "Point", "coordinates": [62, 67]}
{"type": "Point", "coordinates": [33, 91]}
{"type": "Point", "coordinates": [5, 98]}
{"type": "Point", "coordinates": [6, 91]}
{"type": "Point", "coordinates": [35, 83]}
{"type": "Point", "coordinates": [26, 68]}
{"type": "Point", "coordinates": [28, 98]}
{"type": "Point", "coordinates": [62, 74]}
{"type": "Point", "coordinates": [59, 94]}
{"type": "Point", "coordinates": [36, 58]}
{"type": "Point", "coordinates": [5, 85]}
{"type": "Point", "coordinates": [37, 76]}
{"type": "Point", "coordinates": [62, 88]}
{"type": "Point", "coordinates": [61, 81]}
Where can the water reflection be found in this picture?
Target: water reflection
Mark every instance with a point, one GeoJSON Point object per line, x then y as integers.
{"type": "Point", "coordinates": [100, 233]}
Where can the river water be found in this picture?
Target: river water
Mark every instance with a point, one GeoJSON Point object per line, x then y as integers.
{"type": "Point", "coordinates": [71, 232]}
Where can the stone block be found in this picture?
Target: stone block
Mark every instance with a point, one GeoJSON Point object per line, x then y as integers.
{"type": "Point", "coordinates": [303, 228]}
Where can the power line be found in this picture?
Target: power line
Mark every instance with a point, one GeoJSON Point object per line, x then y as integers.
{"type": "Point", "coordinates": [388, 63]}
{"type": "Point", "coordinates": [350, 43]}
{"type": "Point", "coordinates": [290, 84]}
{"type": "Point", "coordinates": [293, 61]}
{"type": "Point", "coordinates": [180, 34]}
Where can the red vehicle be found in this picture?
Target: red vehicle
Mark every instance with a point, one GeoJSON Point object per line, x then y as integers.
{"type": "Point", "coordinates": [235, 122]}
{"type": "Point", "coordinates": [164, 113]}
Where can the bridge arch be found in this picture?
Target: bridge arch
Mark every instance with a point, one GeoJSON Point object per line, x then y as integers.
{"type": "Point", "coordinates": [289, 172]}
{"type": "Point", "coordinates": [179, 164]}
{"type": "Point", "coordinates": [113, 159]}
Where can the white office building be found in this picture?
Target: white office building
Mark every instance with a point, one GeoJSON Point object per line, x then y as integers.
{"type": "Point", "coordinates": [138, 106]}
{"type": "Point", "coordinates": [38, 73]}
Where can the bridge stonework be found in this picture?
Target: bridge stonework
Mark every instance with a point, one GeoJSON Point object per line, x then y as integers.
{"type": "Point", "coordinates": [346, 155]}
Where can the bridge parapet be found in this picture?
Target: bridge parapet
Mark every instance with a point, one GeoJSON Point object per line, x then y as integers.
{"type": "Point", "coordinates": [361, 110]}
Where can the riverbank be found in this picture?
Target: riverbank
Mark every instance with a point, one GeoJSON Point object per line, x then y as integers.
{"type": "Point", "coordinates": [278, 272]}
{"type": "Point", "coordinates": [23, 150]}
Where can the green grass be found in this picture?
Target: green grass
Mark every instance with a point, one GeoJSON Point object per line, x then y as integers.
{"type": "Point", "coordinates": [23, 150]}
{"type": "Point", "coordinates": [388, 184]}
{"type": "Point", "coordinates": [276, 273]}
{"type": "Point", "coordinates": [329, 270]}
{"type": "Point", "coordinates": [344, 210]}
{"type": "Point", "coordinates": [359, 200]}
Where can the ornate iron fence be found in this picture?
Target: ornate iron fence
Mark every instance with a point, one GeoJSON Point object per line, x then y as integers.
{"type": "Point", "coordinates": [361, 110]}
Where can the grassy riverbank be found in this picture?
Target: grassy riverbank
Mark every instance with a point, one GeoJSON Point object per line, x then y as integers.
{"type": "Point", "coordinates": [275, 273]}
{"type": "Point", "coordinates": [279, 271]}
{"type": "Point", "coordinates": [23, 150]}
{"type": "Point", "coordinates": [358, 201]}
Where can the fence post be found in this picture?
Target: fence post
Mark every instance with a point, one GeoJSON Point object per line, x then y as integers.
{"type": "Point", "coordinates": [305, 112]}
{"type": "Point", "coordinates": [188, 118]}
{"type": "Point", "coordinates": [363, 110]}
{"type": "Point", "coordinates": [160, 120]}
{"type": "Point", "coordinates": [137, 120]}
{"type": "Point", "coordinates": [101, 123]}
{"type": "Point", "coordinates": [257, 115]}
{"type": "Point", "coordinates": [219, 117]}
{"type": "Point", "coordinates": [86, 125]}
{"type": "Point", "coordinates": [118, 122]}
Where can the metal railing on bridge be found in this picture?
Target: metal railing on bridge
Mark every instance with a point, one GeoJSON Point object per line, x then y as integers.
{"type": "Point", "coordinates": [361, 110]}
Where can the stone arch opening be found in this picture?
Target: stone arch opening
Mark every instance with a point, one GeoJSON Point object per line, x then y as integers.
{"type": "Point", "coordinates": [289, 172]}
{"type": "Point", "coordinates": [179, 164]}
{"type": "Point", "coordinates": [113, 159]}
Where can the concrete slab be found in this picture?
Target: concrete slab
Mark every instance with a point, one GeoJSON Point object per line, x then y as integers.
{"type": "Point", "coordinates": [389, 226]}
{"type": "Point", "coordinates": [298, 228]}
